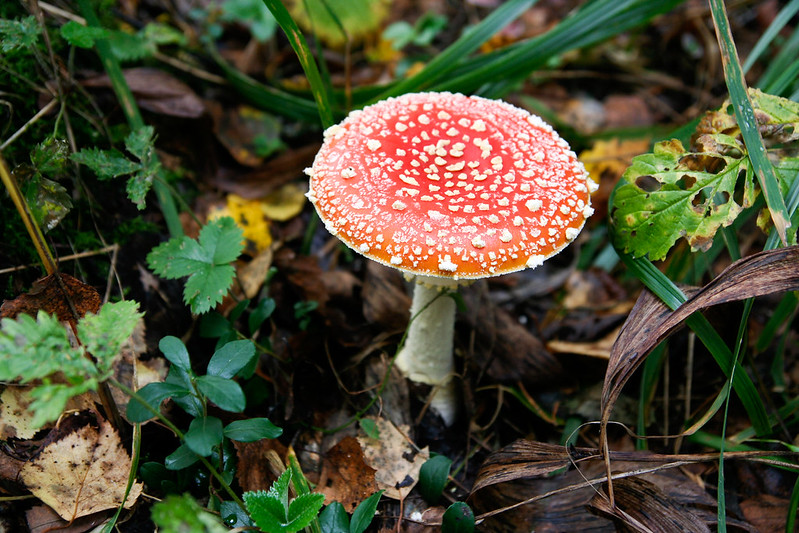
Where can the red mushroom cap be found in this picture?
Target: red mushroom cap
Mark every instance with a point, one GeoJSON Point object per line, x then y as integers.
{"type": "Point", "coordinates": [446, 185]}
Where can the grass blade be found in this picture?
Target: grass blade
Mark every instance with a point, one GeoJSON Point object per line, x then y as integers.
{"type": "Point", "coordinates": [307, 61]}
{"type": "Point", "coordinates": [745, 116]}
{"type": "Point", "coordinates": [470, 41]}
{"type": "Point", "coordinates": [779, 22]}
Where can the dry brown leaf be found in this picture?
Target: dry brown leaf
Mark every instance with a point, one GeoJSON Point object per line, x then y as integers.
{"type": "Point", "coordinates": [57, 294]}
{"type": "Point", "coordinates": [82, 473]}
{"type": "Point", "coordinates": [650, 321]}
{"type": "Point", "coordinates": [42, 519]}
{"type": "Point", "coordinates": [158, 91]}
{"type": "Point", "coordinates": [396, 462]}
{"type": "Point", "coordinates": [346, 478]}
{"type": "Point", "coordinates": [642, 506]}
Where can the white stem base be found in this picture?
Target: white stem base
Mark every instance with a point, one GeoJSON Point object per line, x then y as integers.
{"type": "Point", "coordinates": [427, 356]}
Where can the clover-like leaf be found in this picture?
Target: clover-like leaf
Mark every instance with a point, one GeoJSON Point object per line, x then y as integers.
{"type": "Point", "coordinates": [205, 261]}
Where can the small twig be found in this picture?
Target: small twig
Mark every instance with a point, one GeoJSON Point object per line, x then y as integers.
{"type": "Point", "coordinates": [42, 112]}
{"type": "Point", "coordinates": [90, 253]}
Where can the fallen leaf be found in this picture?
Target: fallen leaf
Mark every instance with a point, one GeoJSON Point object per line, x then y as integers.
{"type": "Point", "coordinates": [42, 519]}
{"type": "Point", "coordinates": [82, 473]}
{"type": "Point", "coordinates": [248, 134]}
{"type": "Point", "coordinates": [15, 418]}
{"type": "Point", "coordinates": [642, 506]}
{"type": "Point", "coordinates": [396, 462]}
{"type": "Point", "coordinates": [284, 203]}
{"type": "Point", "coordinates": [345, 477]}
{"type": "Point", "coordinates": [57, 294]}
{"type": "Point", "coordinates": [609, 159]}
{"type": "Point", "coordinates": [259, 463]}
{"type": "Point", "coordinates": [250, 217]}
{"type": "Point", "coordinates": [157, 91]}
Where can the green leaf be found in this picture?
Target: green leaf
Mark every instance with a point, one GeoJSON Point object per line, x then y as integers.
{"type": "Point", "coordinates": [264, 310]}
{"type": "Point", "coordinates": [18, 34]}
{"type": "Point", "coordinates": [369, 426]}
{"type": "Point", "coordinates": [104, 334]}
{"type": "Point", "coordinates": [50, 156]}
{"type": "Point", "coordinates": [50, 399]}
{"type": "Point", "coordinates": [673, 193]}
{"type": "Point", "coordinates": [162, 34]}
{"type": "Point", "coordinates": [224, 392]}
{"type": "Point", "coordinates": [334, 519]}
{"type": "Point", "coordinates": [205, 261]}
{"type": "Point", "coordinates": [140, 143]}
{"type": "Point", "coordinates": [152, 394]}
{"type": "Point", "coordinates": [251, 13]}
{"type": "Point", "coordinates": [303, 510]}
{"type": "Point", "coordinates": [252, 429]}
{"type": "Point", "coordinates": [49, 201]}
{"type": "Point", "coordinates": [182, 514]}
{"type": "Point", "coordinates": [433, 477]}
{"type": "Point", "coordinates": [131, 46]}
{"type": "Point", "coordinates": [231, 358]}
{"type": "Point", "coordinates": [458, 518]}
{"type": "Point", "coordinates": [175, 352]}
{"type": "Point", "coordinates": [82, 36]}
{"type": "Point", "coordinates": [106, 164]}
{"type": "Point", "coordinates": [204, 434]}
{"type": "Point", "coordinates": [181, 458]}
{"type": "Point", "coordinates": [365, 513]}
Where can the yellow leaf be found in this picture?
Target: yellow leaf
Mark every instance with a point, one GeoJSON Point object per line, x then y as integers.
{"type": "Point", "coordinates": [284, 203]}
{"type": "Point", "coordinates": [82, 473]}
{"type": "Point", "coordinates": [612, 157]}
{"type": "Point", "coordinates": [250, 218]}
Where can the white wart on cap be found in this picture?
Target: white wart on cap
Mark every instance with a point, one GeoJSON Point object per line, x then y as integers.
{"type": "Point", "coordinates": [446, 185]}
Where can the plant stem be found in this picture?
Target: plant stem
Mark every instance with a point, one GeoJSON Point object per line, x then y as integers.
{"type": "Point", "coordinates": [132, 114]}
{"type": "Point", "coordinates": [35, 232]}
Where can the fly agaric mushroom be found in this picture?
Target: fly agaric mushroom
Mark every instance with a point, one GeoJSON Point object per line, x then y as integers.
{"type": "Point", "coordinates": [447, 188]}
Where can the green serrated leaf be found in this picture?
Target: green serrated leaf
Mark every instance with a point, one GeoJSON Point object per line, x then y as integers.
{"type": "Point", "coordinates": [225, 393]}
{"type": "Point", "coordinates": [106, 164]}
{"type": "Point", "coordinates": [18, 34]}
{"type": "Point", "coordinates": [82, 36]}
{"type": "Point", "coordinates": [303, 510]}
{"type": "Point", "coordinates": [673, 193]}
{"type": "Point", "coordinates": [204, 434]}
{"type": "Point", "coordinates": [162, 34]}
{"type": "Point", "coordinates": [182, 514]}
{"type": "Point", "coordinates": [205, 261]}
{"type": "Point", "coordinates": [139, 142]}
{"type": "Point", "coordinates": [175, 352]}
{"type": "Point", "coordinates": [50, 399]}
{"type": "Point", "coordinates": [140, 183]}
{"type": "Point", "coordinates": [50, 156]}
{"type": "Point", "coordinates": [433, 477]}
{"type": "Point", "coordinates": [363, 515]}
{"type": "Point", "coordinates": [152, 395]}
{"type": "Point", "coordinates": [252, 429]}
{"type": "Point", "coordinates": [104, 334]}
{"type": "Point", "coordinates": [231, 358]}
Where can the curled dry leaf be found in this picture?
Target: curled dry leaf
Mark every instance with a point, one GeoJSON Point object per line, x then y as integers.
{"type": "Point", "coordinates": [650, 321]}
{"type": "Point", "coordinates": [82, 473]}
{"type": "Point", "coordinates": [642, 506]}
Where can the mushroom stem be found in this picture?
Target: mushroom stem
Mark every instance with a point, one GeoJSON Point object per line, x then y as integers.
{"type": "Point", "coordinates": [426, 357]}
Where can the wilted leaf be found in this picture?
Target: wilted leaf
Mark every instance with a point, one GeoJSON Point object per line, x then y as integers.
{"type": "Point", "coordinates": [777, 118]}
{"type": "Point", "coordinates": [611, 157]}
{"type": "Point", "coordinates": [82, 473]}
{"type": "Point", "coordinates": [642, 506]}
{"type": "Point", "coordinates": [674, 193]}
{"type": "Point", "coordinates": [650, 321]}
{"type": "Point", "coordinates": [250, 135]}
